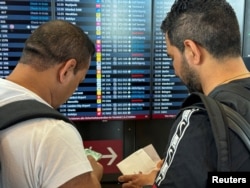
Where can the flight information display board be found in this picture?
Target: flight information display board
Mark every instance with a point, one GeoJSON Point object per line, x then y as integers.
{"type": "Point", "coordinates": [17, 20]}
{"type": "Point", "coordinates": [168, 90]}
{"type": "Point", "coordinates": [246, 34]}
{"type": "Point", "coordinates": [118, 83]}
{"type": "Point", "coordinates": [130, 77]}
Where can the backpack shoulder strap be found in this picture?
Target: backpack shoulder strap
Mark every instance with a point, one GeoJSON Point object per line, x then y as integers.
{"type": "Point", "coordinates": [221, 117]}
{"type": "Point", "coordinates": [18, 111]}
{"type": "Point", "coordinates": [218, 127]}
{"type": "Point", "coordinates": [238, 124]}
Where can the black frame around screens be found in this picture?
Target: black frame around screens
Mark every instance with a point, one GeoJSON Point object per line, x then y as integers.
{"type": "Point", "coordinates": [130, 76]}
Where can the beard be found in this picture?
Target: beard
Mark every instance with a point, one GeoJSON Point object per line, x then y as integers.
{"type": "Point", "coordinates": [190, 77]}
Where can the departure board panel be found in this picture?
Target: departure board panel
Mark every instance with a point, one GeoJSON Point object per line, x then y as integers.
{"type": "Point", "coordinates": [246, 41]}
{"type": "Point", "coordinates": [83, 103]}
{"type": "Point", "coordinates": [17, 20]}
{"type": "Point", "coordinates": [130, 76]}
{"type": "Point", "coordinates": [168, 90]}
{"type": "Point", "coordinates": [118, 83]}
{"type": "Point", "coordinates": [240, 10]}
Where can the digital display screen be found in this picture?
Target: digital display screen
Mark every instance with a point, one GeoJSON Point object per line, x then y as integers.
{"type": "Point", "coordinates": [130, 77]}
{"type": "Point", "coordinates": [17, 20]}
{"type": "Point", "coordinates": [246, 34]}
{"type": "Point", "coordinates": [117, 85]}
{"type": "Point", "coordinates": [168, 91]}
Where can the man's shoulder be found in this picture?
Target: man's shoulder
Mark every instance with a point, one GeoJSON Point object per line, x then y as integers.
{"type": "Point", "coordinates": [234, 88]}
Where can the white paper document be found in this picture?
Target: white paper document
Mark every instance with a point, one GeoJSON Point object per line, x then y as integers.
{"type": "Point", "coordinates": [143, 160]}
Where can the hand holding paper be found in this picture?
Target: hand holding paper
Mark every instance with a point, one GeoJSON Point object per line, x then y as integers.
{"type": "Point", "coordinates": [143, 161]}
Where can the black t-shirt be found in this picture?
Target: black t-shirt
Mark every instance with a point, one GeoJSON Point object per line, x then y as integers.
{"type": "Point", "coordinates": [191, 152]}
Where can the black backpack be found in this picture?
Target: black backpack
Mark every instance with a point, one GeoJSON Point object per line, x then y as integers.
{"type": "Point", "coordinates": [222, 117]}
{"type": "Point", "coordinates": [19, 111]}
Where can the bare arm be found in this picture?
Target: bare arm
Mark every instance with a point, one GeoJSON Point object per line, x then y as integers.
{"type": "Point", "coordinates": [87, 180]}
{"type": "Point", "coordinates": [97, 167]}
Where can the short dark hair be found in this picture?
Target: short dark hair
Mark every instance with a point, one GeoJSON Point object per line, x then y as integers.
{"type": "Point", "coordinates": [210, 23]}
{"type": "Point", "coordinates": [55, 42]}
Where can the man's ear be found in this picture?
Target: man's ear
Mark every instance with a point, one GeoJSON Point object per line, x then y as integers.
{"type": "Point", "coordinates": [66, 70]}
{"type": "Point", "coordinates": [192, 51]}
